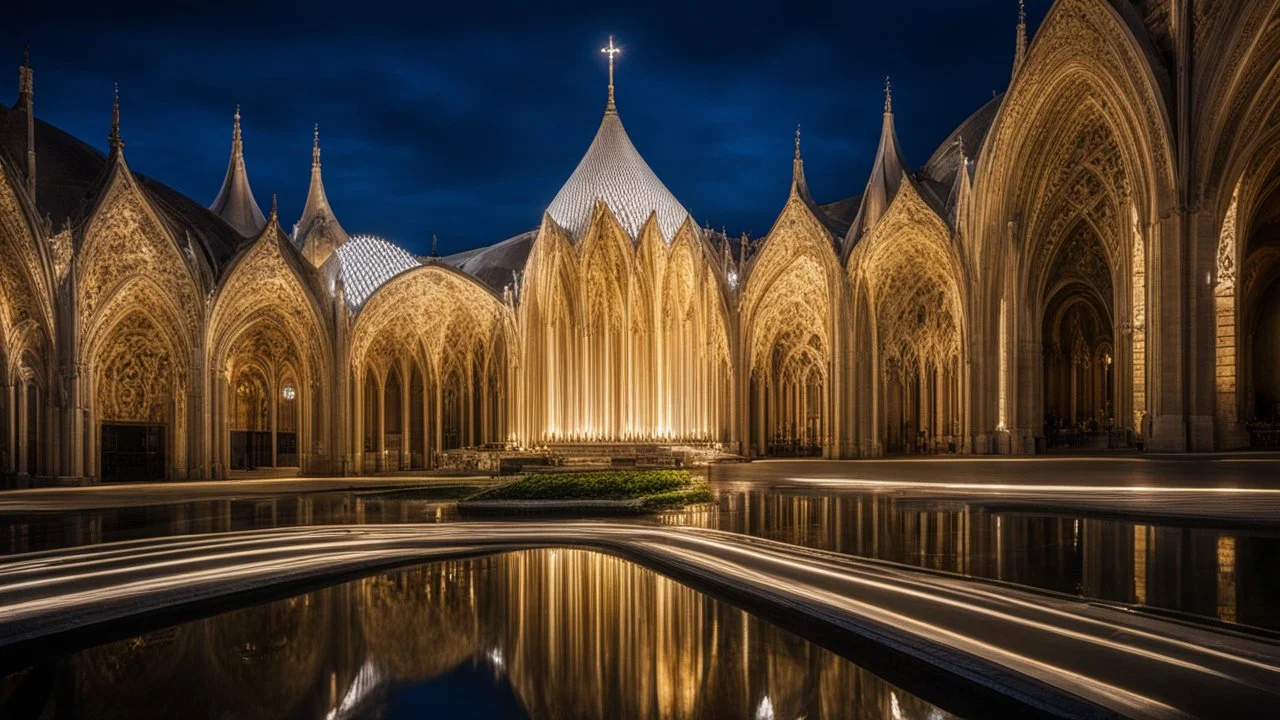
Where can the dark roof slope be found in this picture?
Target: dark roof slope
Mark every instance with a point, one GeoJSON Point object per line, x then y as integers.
{"type": "Point", "coordinates": [68, 175]}
{"type": "Point", "coordinates": [494, 264]}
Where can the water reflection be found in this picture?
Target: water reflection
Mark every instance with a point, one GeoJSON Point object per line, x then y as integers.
{"type": "Point", "coordinates": [51, 530]}
{"type": "Point", "coordinates": [549, 633]}
{"type": "Point", "coordinates": [1224, 574]}
{"type": "Point", "coordinates": [1227, 575]}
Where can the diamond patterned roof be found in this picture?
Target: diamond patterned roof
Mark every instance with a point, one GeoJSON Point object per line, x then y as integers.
{"type": "Point", "coordinates": [613, 170]}
{"type": "Point", "coordinates": [368, 262]}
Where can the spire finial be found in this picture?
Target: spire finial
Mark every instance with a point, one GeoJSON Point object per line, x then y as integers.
{"type": "Point", "coordinates": [434, 240]}
{"type": "Point", "coordinates": [237, 147]}
{"type": "Point", "coordinates": [25, 84]}
{"type": "Point", "coordinates": [26, 100]}
{"type": "Point", "coordinates": [274, 207]}
{"type": "Point", "coordinates": [1020, 48]}
{"type": "Point", "coordinates": [888, 95]}
{"type": "Point", "coordinates": [116, 142]}
{"type": "Point", "coordinates": [315, 146]}
{"type": "Point", "coordinates": [797, 141]}
{"type": "Point", "coordinates": [611, 51]}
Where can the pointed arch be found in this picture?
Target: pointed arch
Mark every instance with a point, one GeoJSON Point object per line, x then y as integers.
{"type": "Point", "coordinates": [915, 285]}
{"type": "Point", "coordinates": [791, 314]}
{"type": "Point", "coordinates": [1082, 135]}
{"type": "Point", "coordinates": [445, 322]}
{"type": "Point", "coordinates": [266, 311]}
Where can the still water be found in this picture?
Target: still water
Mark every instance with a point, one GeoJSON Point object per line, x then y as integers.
{"type": "Point", "coordinates": [541, 633]}
{"type": "Point", "coordinates": [1222, 573]}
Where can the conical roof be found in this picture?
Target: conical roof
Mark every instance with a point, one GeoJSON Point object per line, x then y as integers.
{"type": "Point", "coordinates": [235, 202]}
{"type": "Point", "coordinates": [613, 171]}
{"type": "Point", "coordinates": [887, 173]}
{"type": "Point", "coordinates": [318, 232]}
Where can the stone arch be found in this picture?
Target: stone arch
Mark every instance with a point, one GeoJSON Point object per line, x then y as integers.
{"type": "Point", "coordinates": [140, 354]}
{"type": "Point", "coordinates": [1238, 154]}
{"type": "Point", "coordinates": [1247, 299]}
{"type": "Point", "coordinates": [791, 314]}
{"type": "Point", "coordinates": [265, 311]}
{"type": "Point", "coordinates": [1082, 136]}
{"type": "Point", "coordinates": [26, 323]}
{"type": "Point", "coordinates": [914, 283]}
{"type": "Point", "coordinates": [139, 306]}
{"type": "Point", "coordinates": [446, 323]}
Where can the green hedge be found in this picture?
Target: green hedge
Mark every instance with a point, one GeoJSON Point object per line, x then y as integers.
{"type": "Point", "coordinates": [595, 485]}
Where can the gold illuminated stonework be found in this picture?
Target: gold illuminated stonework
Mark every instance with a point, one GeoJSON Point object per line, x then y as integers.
{"type": "Point", "coordinates": [1088, 256]}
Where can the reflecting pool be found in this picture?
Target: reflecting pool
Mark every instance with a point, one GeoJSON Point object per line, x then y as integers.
{"type": "Point", "coordinates": [542, 633]}
{"type": "Point", "coordinates": [1225, 573]}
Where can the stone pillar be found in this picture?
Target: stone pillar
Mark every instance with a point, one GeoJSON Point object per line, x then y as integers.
{"type": "Point", "coordinates": [439, 442]}
{"type": "Point", "coordinates": [1166, 338]}
{"type": "Point", "coordinates": [380, 440]}
{"type": "Point", "coordinates": [8, 425]}
{"type": "Point", "coordinates": [23, 432]}
{"type": "Point", "coordinates": [273, 394]}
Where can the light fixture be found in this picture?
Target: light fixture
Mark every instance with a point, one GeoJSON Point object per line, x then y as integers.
{"type": "Point", "coordinates": [289, 392]}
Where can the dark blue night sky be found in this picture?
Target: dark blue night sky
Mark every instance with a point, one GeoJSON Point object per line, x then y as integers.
{"type": "Point", "coordinates": [463, 119]}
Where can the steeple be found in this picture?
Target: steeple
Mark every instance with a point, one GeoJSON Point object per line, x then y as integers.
{"type": "Point", "coordinates": [611, 51]}
{"type": "Point", "coordinates": [799, 185]}
{"type": "Point", "coordinates": [26, 101]}
{"type": "Point", "coordinates": [887, 172]}
{"type": "Point", "coordinates": [1020, 47]}
{"type": "Point", "coordinates": [114, 139]}
{"type": "Point", "coordinates": [318, 233]}
{"type": "Point", "coordinates": [235, 202]}
{"type": "Point", "coordinates": [957, 201]}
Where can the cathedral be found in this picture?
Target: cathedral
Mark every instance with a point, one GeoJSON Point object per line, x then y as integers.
{"type": "Point", "coordinates": [1091, 260]}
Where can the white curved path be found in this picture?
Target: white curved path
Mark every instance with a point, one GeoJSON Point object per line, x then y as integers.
{"type": "Point", "coordinates": [1016, 641]}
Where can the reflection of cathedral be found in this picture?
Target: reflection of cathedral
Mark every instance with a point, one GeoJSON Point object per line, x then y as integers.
{"type": "Point", "coordinates": [559, 633]}
{"type": "Point", "coordinates": [1091, 255]}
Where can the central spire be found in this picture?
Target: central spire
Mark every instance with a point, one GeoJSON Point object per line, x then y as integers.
{"type": "Point", "coordinates": [235, 202]}
{"type": "Point", "coordinates": [611, 51]}
{"type": "Point", "coordinates": [318, 232]}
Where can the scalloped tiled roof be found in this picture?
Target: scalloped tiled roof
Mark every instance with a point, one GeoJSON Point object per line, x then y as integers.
{"type": "Point", "coordinates": [613, 171]}
{"type": "Point", "coordinates": [368, 262]}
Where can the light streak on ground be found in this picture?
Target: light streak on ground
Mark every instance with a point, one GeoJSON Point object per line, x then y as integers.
{"type": "Point", "coordinates": [1011, 639]}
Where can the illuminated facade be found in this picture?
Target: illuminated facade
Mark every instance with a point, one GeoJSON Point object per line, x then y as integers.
{"type": "Point", "coordinates": [1092, 255]}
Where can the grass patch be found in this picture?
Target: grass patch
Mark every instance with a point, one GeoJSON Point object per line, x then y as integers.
{"type": "Point", "coordinates": [657, 488]}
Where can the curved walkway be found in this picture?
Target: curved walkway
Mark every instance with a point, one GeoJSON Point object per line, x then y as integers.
{"type": "Point", "coordinates": [1058, 655]}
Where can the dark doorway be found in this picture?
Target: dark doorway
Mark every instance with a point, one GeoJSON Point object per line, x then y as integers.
{"type": "Point", "coordinates": [286, 449]}
{"type": "Point", "coordinates": [132, 453]}
{"type": "Point", "coordinates": [250, 449]}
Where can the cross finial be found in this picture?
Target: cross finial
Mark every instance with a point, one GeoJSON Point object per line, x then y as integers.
{"type": "Point", "coordinates": [114, 138]}
{"type": "Point", "coordinates": [315, 146]}
{"type": "Point", "coordinates": [611, 50]}
{"type": "Point", "coordinates": [888, 95]}
{"type": "Point", "coordinates": [797, 141]}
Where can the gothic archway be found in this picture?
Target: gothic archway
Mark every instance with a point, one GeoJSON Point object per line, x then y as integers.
{"type": "Point", "coordinates": [911, 274]}
{"type": "Point", "coordinates": [429, 331]}
{"type": "Point", "coordinates": [789, 311]}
